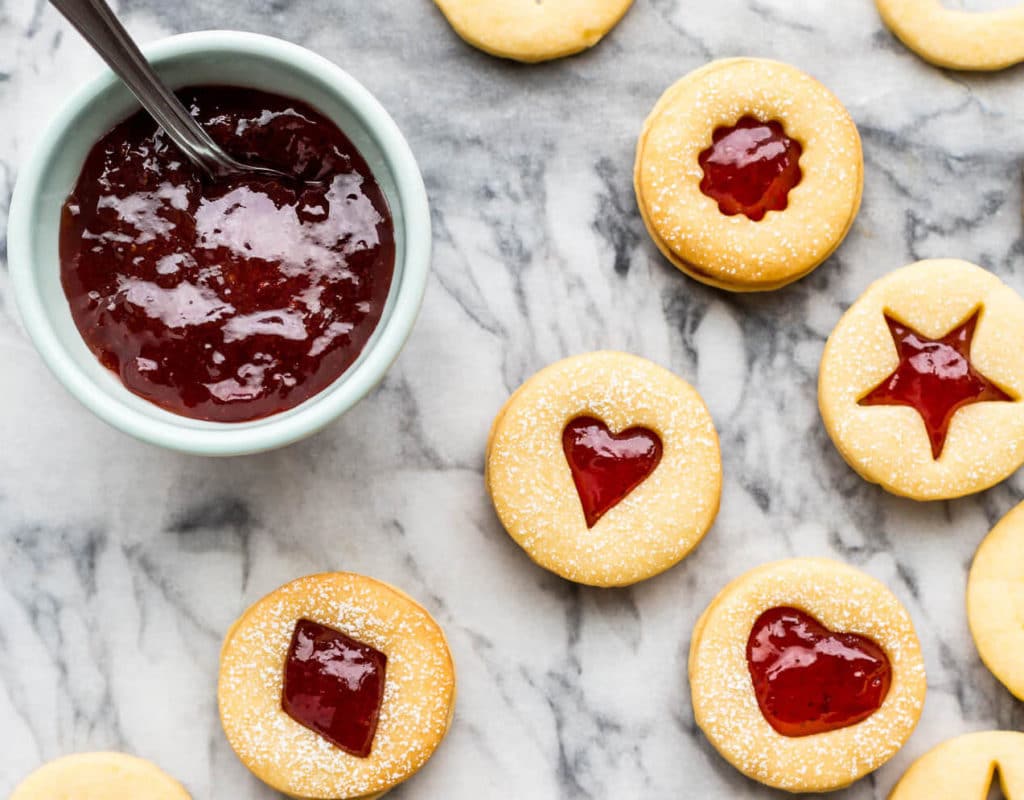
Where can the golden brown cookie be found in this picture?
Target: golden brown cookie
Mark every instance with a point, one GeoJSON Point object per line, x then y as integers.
{"type": "Point", "coordinates": [921, 380]}
{"type": "Point", "coordinates": [533, 30]}
{"type": "Point", "coordinates": [965, 768]}
{"type": "Point", "coordinates": [605, 468]}
{"type": "Point", "coordinates": [335, 686]}
{"type": "Point", "coordinates": [806, 674]}
{"type": "Point", "coordinates": [966, 40]}
{"type": "Point", "coordinates": [99, 776]}
{"type": "Point", "coordinates": [749, 174]}
{"type": "Point", "coordinates": [995, 601]}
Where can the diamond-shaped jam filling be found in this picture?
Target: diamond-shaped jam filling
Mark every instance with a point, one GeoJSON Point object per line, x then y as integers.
{"type": "Point", "coordinates": [334, 685]}
{"type": "Point", "coordinates": [751, 168]}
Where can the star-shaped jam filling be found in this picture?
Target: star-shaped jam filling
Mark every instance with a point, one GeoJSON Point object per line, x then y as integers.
{"type": "Point", "coordinates": [935, 377]}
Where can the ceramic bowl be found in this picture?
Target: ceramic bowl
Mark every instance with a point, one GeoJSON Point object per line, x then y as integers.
{"type": "Point", "coordinates": [213, 57]}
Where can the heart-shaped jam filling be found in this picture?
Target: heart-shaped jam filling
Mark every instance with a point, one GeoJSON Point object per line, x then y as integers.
{"type": "Point", "coordinates": [935, 377]}
{"type": "Point", "coordinates": [606, 466]}
{"type": "Point", "coordinates": [334, 686]}
{"type": "Point", "coordinates": [808, 679]}
{"type": "Point", "coordinates": [751, 168]}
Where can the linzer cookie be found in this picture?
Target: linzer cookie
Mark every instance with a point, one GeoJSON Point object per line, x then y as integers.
{"type": "Point", "coordinates": [921, 380]}
{"type": "Point", "coordinates": [806, 675]}
{"type": "Point", "coordinates": [529, 30]}
{"type": "Point", "coordinates": [605, 468]}
{"type": "Point", "coordinates": [954, 38]}
{"type": "Point", "coordinates": [995, 601]}
{"type": "Point", "coordinates": [968, 767]}
{"type": "Point", "coordinates": [748, 174]}
{"type": "Point", "coordinates": [99, 776]}
{"type": "Point", "coordinates": [335, 687]}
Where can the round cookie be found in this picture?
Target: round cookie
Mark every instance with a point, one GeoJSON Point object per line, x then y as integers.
{"type": "Point", "coordinates": [99, 776]}
{"type": "Point", "coordinates": [728, 707]}
{"type": "Point", "coordinates": [533, 30]}
{"type": "Point", "coordinates": [691, 129]}
{"type": "Point", "coordinates": [965, 768]}
{"type": "Point", "coordinates": [358, 618]}
{"type": "Point", "coordinates": [921, 380]}
{"type": "Point", "coordinates": [965, 40]}
{"type": "Point", "coordinates": [995, 601]}
{"type": "Point", "coordinates": [605, 468]}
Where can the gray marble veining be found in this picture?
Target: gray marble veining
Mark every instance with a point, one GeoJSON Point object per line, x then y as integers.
{"type": "Point", "coordinates": [121, 565]}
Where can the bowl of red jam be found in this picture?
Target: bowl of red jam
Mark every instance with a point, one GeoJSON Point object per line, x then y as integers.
{"type": "Point", "coordinates": [231, 315]}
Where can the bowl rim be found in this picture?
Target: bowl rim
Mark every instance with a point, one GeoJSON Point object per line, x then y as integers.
{"type": "Point", "coordinates": [226, 439]}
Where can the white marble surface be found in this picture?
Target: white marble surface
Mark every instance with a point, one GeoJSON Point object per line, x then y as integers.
{"type": "Point", "coordinates": [121, 565]}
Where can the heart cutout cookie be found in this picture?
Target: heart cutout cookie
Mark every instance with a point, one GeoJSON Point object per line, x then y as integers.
{"type": "Point", "coordinates": [607, 466]}
{"type": "Point", "coordinates": [809, 679]}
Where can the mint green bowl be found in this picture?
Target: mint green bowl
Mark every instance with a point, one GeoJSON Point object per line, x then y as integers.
{"type": "Point", "coordinates": [213, 57]}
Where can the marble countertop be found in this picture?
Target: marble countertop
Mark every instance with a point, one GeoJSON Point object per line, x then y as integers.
{"type": "Point", "coordinates": [122, 565]}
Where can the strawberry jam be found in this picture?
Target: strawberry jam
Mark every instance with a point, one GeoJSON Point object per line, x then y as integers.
{"type": "Point", "coordinates": [605, 466]}
{"type": "Point", "coordinates": [810, 680]}
{"type": "Point", "coordinates": [751, 168]}
{"type": "Point", "coordinates": [935, 377]}
{"type": "Point", "coordinates": [334, 686]}
{"type": "Point", "coordinates": [234, 299]}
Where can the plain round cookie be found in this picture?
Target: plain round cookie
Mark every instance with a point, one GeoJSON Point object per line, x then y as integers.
{"type": "Point", "coordinates": [734, 252]}
{"type": "Point", "coordinates": [965, 40]}
{"type": "Point", "coordinates": [99, 776]}
{"type": "Point", "coordinates": [531, 485]}
{"type": "Point", "coordinates": [995, 601]}
{"type": "Point", "coordinates": [419, 693]}
{"type": "Point", "coordinates": [533, 30]}
{"type": "Point", "coordinates": [726, 708]}
{"type": "Point", "coordinates": [889, 445]}
{"type": "Point", "coordinates": [964, 768]}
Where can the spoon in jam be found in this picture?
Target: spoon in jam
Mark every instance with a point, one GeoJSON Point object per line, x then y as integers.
{"type": "Point", "coordinates": [101, 28]}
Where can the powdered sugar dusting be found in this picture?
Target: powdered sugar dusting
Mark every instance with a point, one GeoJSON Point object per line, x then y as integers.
{"type": "Point", "coordinates": [418, 694]}
{"type": "Point", "coordinates": [655, 525]}
{"type": "Point", "coordinates": [841, 598]}
{"type": "Point", "coordinates": [889, 444]}
{"type": "Point", "coordinates": [735, 251]}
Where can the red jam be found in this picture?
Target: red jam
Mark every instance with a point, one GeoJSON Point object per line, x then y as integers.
{"type": "Point", "coordinates": [751, 168]}
{"type": "Point", "coordinates": [227, 300]}
{"type": "Point", "coordinates": [935, 377]}
{"type": "Point", "coordinates": [810, 680]}
{"type": "Point", "coordinates": [605, 466]}
{"type": "Point", "coordinates": [334, 686]}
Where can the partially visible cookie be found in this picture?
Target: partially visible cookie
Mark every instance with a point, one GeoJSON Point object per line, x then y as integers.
{"type": "Point", "coordinates": [533, 30]}
{"type": "Point", "coordinates": [748, 174]}
{"type": "Point", "coordinates": [995, 601]}
{"type": "Point", "coordinates": [605, 468]}
{"type": "Point", "coordinates": [806, 674]}
{"type": "Point", "coordinates": [99, 776]}
{"type": "Point", "coordinates": [965, 40]}
{"type": "Point", "coordinates": [966, 768]}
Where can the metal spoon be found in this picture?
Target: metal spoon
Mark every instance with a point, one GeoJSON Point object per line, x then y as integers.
{"type": "Point", "coordinates": [97, 23]}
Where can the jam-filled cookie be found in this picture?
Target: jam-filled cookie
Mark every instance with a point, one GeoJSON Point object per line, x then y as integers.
{"type": "Point", "coordinates": [335, 686]}
{"type": "Point", "coordinates": [995, 601]}
{"type": "Point", "coordinates": [806, 674]}
{"type": "Point", "coordinates": [99, 776]}
{"type": "Point", "coordinates": [605, 468]}
{"type": "Point", "coordinates": [967, 768]}
{"type": "Point", "coordinates": [528, 30]}
{"type": "Point", "coordinates": [749, 174]}
{"type": "Point", "coordinates": [966, 40]}
{"type": "Point", "coordinates": [921, 381]}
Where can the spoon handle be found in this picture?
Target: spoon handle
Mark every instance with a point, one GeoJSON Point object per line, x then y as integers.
{"type": "Point", "coordinates": [101, 28]}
